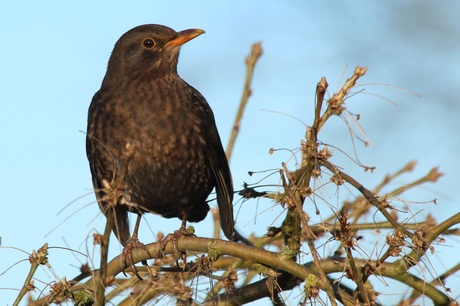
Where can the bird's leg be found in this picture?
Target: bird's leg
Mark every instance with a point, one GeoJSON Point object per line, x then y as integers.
{"type": "Point", "coordinates": [173, 238]}
{"type": "Point", "coordinates": [127, 255]}
{"type": "Point", "coordinates": [183, 232]}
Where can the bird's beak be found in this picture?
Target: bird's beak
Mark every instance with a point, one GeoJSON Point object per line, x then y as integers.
{"type": "Point", "coordinates": [184, 36]}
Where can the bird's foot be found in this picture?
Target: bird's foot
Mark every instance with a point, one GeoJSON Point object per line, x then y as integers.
{"type": "Point", "coordinates": [173, 238]}
{"type": "Point", "coordinates": [127, 255]}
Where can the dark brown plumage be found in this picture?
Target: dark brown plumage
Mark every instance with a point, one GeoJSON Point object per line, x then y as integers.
{"type": "Point", "coordinates": [152, 142]}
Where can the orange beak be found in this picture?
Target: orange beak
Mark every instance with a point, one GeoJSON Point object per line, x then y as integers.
{"type": "Point", "coordinates": [184, 36]}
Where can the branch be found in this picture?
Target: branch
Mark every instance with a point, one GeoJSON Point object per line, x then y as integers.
{"type": "Point", "coordinates": [220, 248]}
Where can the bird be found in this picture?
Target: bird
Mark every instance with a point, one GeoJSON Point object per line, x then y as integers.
{"type": "Point", "coordinates": [152, 141]}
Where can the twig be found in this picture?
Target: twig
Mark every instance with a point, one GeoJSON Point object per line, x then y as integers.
{"type": "Point", "coordinates": [390, 177]}
{"type": "Point", "coordinates": [36, 259]}
{"type": "Point", "coordinates": [437, 281]}
{"type": "Point", "coordinates": [371, 197]}
{"type": "Point", "coordinates": [432, 176]}
{"type": "Point", "coordinates": [251, 61]}
{"type": "Point", "coordinates": [321, 89]}
{"type": "Point", "coordinates": [335, 103]}
{"type": "Point", "coordinates": [101, 276]}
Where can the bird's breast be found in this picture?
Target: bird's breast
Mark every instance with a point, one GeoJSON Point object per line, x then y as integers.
{"type": "Point", "coordinates": [167, 168]}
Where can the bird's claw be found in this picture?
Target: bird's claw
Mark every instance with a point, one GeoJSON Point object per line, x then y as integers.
{"type": "Point", "coordinates": [173, 238]}
{"type": "Point", "coordinates": [127, 255]}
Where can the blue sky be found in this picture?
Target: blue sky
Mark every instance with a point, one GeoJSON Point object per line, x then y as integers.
{"type": "Point", "coordinates": [53, 57]}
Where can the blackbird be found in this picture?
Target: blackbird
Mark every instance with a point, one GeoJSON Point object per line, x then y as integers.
{"type": "Point", "coordinates": [152, 141]}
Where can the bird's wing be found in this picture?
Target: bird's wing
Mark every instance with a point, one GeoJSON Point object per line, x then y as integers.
{"type": "Point", "coordinates": [219, 164]}
{"type": "Point", "coordinates": [121, 221]}
{"type": "Point", "coordinates": [224, 190]}
{"type": "Point", "coordinates": [99, 169]}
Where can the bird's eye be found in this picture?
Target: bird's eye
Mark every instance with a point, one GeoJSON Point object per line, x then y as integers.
{"type": "Point", "coordinates": [148, 43]}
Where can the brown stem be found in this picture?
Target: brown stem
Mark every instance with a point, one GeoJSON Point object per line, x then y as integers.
{"type": "Point", "coordinates": [308, 234]}
{"type": "Point", "coordinates": [101, 276]}
{"type": "Point", "coordinates": [371, 197]}
{"type": "Point", "coordinates": [251, 60]}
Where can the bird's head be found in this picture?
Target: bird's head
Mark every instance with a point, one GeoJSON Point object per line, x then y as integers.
{"type": "Point", "coordinates": [148, 49]}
